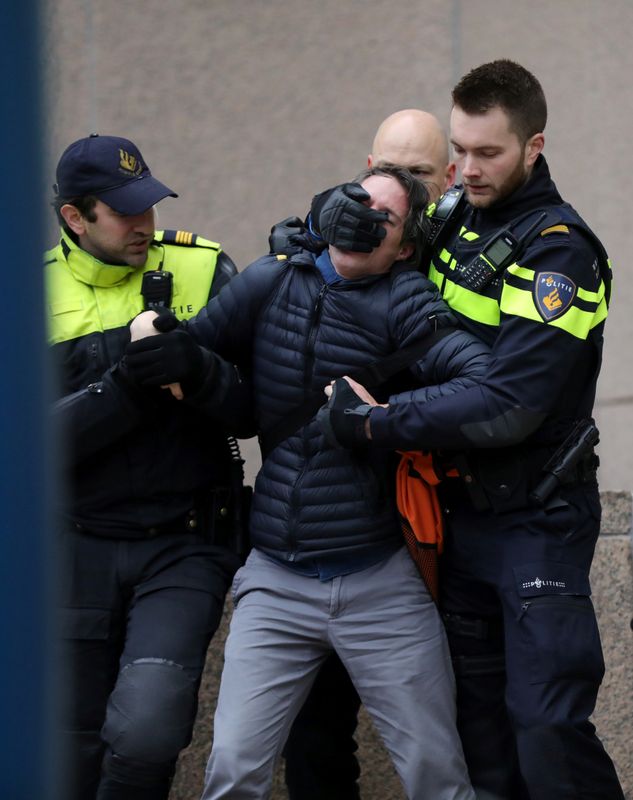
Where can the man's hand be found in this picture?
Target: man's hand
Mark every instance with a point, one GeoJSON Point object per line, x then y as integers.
{"type": "Point", "coordinates": [358, 388]}
{"type": "Point", "coordinates": [150, 323]}
{"type": "Point", "coordinates": [169, 358]}
{"type": "Point", "coordinates": [290, 236]}
{"type": "Point", "coordinates": [342, 218]}
{"type": "Point", "coordinates": [343, 419]}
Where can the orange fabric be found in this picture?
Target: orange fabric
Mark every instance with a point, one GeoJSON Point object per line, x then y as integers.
{"type": "Point", "coordinates": [420, 514]}
{"type": "Point", "coordinates": [417, 498]}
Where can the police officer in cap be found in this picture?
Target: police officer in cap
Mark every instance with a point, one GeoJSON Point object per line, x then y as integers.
{"type": "Point", "coordinates": [146, 528]}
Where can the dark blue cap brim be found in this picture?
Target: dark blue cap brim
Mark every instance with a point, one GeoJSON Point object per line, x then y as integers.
{"type": "Point", "coordinates": [135, 196]}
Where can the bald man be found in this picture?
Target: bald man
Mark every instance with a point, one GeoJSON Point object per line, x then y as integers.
{"type": "Point", "coordinates": [415, 139]}
{"type": "Point", "coordinates": [410, 138]}
{"type": "Point", "coordinates": [320, 760]}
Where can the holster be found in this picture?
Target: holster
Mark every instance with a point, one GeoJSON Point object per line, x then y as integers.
{"type": "Point", "coordinates": [502, 480]}
{"type": "Point", "coordinates": [223, 515]}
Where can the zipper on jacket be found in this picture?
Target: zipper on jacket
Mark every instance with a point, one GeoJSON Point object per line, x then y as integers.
{"type": "Point", "coordinates": [93, 352]}
{"type": "Point", "coordinates": [307, 375]}
{"type": "Point", "coordinates": [309, 362]}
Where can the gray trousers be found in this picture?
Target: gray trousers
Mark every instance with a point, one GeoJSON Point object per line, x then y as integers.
{"type": "Point", "coordinates": [385, 628]}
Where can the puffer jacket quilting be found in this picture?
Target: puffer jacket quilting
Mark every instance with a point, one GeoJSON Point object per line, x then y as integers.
{"type": "Point", "coordinates": [295, 334]}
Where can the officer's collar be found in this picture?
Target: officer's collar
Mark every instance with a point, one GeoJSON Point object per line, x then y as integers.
{"type": "Point", "coordinates": [88, 269]}
{"type": "Point", "coordinates": [538, 190]}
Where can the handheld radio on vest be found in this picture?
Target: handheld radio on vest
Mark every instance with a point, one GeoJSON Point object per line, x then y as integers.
{"type": "Point", "coordinates": [157, 288]}
{"type": "Point", "coordinates": [445, 209]}
{"type": "Point", "coordinates": [501, 251]}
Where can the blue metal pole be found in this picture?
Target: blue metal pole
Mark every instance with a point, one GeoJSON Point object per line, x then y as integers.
{"type": "Point", "coordinates": [25, 578]}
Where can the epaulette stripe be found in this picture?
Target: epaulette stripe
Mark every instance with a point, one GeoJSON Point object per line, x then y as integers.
{"type": "Point", "coordinates": [555, 229]}
{"type": "Point", "coordinates": [281, 257]}
{"type": "Point", "coordinates": [184, 237]}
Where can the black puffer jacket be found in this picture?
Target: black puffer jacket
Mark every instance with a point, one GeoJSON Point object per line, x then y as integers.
{"type": "Point", "coordinates": [297, 333]}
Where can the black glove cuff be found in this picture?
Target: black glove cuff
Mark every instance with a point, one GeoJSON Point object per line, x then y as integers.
{"type": "Point", "coordinates": [204, 373]}
{"type": "Point", "coordinates": [122, 378]}
{"type": "Point", "coordinates": [318, 201]}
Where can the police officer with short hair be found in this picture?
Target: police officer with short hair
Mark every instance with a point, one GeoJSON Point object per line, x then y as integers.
{"type": "Point", "coordinates": [146, 525]}
{"type": "Point", "coordinates": [522, 270]}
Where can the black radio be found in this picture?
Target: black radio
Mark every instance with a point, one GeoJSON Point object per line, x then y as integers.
{"type": "Point", "coordinates": [157, 288]}
{"type": "Point", "coordinates": [445, 208]}
{"type": "Point", "coordinates": [501, 251]}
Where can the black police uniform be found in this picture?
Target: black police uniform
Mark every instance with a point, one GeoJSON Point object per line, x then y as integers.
{"type": "Point", "coordinates": [145, 532]}
{"type": "Point", "coordinates": [515, 580]}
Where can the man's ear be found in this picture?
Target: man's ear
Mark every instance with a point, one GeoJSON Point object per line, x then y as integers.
{"type": "Point", "coordinates": [406, 251]}
{"type": "Point", "coordinates": [370, 161]}
{"type": "Point", "coordinates": [450, 175]}
{"type": "Point", "coordinates": [533, 148]}
{"type": "Point", "coordinates": [73, 218]}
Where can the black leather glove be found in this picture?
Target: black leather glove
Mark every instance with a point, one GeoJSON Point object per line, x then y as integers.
{"type": "Point", "coordinates": [343, 220]}
{"type": "Point", "coordinates": [342, 419]}
{"type": "Point", "coordinates": [172, 357]}
{"type": "Point", "coordinates": [166, 320]}
{"type": "Point", "coordinates": [290, 236]}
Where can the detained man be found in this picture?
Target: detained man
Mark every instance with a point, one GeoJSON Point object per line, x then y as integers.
{"type": "Point", "coordinates": [329, 571]}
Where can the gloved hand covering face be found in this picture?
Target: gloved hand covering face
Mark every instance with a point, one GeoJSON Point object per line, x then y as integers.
{"type": "Point", "coordinates": [340, 216]}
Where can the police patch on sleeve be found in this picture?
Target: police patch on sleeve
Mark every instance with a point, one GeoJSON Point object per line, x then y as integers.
{"type": "Point", "coordinates": [553, 294]}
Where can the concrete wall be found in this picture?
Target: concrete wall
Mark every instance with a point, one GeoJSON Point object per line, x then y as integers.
{"type": "Point", "coordinates": [247, 108]}
{"type": "Point", "coordinates": [612, 583]}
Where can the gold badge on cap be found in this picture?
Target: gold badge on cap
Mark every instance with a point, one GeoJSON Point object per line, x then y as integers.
{"type": "Point", "coordinates": [130, 163]}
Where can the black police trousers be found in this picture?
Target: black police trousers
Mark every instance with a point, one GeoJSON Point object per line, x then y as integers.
{"type": "Point", "coordinates": [137, 617]}
{"type": "Point", "coordinates": [515, 597]}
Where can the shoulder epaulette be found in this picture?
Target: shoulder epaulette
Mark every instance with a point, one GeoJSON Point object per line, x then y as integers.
{"type": "Point", "coordinates": [555, 229]}
{"type": "Point", "coordinates": [184, 239]}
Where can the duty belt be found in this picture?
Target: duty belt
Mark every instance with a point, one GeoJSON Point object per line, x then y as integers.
{"type": "Point", "coordinates": [518, 477]}
{"type": "Point", "coordinates": [184, 523]}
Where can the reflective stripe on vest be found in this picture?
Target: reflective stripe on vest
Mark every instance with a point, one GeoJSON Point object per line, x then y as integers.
{"type": "Point", "coordinates": [465, 301]}
{"type": "Point", "coordinates": [587, 309]}
{"type": "Point", "coordinates": [85, 296]}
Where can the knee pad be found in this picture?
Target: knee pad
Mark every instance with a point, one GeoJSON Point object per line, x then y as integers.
{"type": "Point", "coordinates": [151, 711]}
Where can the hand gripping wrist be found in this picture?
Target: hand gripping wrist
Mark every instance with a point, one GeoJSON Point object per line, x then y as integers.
{"type": "Point", "coordinates": [342, 420]}
{"type": "Point", "coordinates": [168, 358]}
